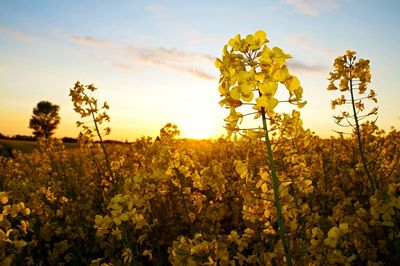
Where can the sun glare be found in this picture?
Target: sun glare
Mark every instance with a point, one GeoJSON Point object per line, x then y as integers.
{"type": "Point", "coordinates": [197, 128]}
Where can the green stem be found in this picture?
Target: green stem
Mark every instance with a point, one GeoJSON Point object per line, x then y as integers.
{"type": "Point", "coordinates": [101, 142]}
{"type": "Point", "coordinates": [277, 203]}
{"type": "Point", "coordinates": [360, 146]}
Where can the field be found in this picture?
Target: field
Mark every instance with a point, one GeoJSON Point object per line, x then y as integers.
{"type": "Point", "coordinates": [188, 202]}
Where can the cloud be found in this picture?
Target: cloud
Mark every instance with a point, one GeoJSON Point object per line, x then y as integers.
{"type": "Point", "coordinates": [169, 56]}
{"type": "Point", "coordinates": [15, 34]}
{"type": "Point", "coordinates": [173, 59]}
{"type": "Point", "coordinates": [132, 58]}
{"type": "Point", "coordinates": [125, 68]}
{"type": "Point", "coordinates": [302, 67]}
{"type": "Point", "coordinates": [313, 7]}
{"type": "Point", "coordinates": [91, 41]}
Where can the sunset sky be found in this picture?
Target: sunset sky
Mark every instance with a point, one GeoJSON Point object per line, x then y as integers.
{"type": "Point", "coordinates": [153, 61]}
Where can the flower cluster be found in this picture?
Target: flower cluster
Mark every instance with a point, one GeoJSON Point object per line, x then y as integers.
{"type": "Point", "coordinates": [350, 75]}
{"type": "Point", "coordinates": [251, 70]}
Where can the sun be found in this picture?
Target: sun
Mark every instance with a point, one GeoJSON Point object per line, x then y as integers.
{"type": "Point", "coordinates": [197, 128]}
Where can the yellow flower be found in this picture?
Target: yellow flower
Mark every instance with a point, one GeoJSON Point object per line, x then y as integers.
{"type": "Point", "coordinates": [127, 256]}
{"type": "Point", "coordinates": [148, 253]}
{"type": "Point", "coordinates": [350, 54]}
{"type": "Point", "coordinates": [360, 106]}
{"type": "Point", "coordinates": [246, 81]}
{"type": "Point", "coordinates": [257, 40]}
{"type": "Point", "coordinates": [235, 43]}
{"type": "Point", "coordinates": [268, 87]}
{"type": "Point", "coordinates": [344, 228]}
{"type": "Point", "coordinates": [282, 74]}
{"type": "Point", "coordinates": [344, 85]}
{"type": "Point", "coordinates": [241, 168]}
{"type": "Point", "coordinates": [269, 103]}
{"type": "Point", "coordinates": [292, 84]}
{"type": "Point", "coordinates": [332, 87]}
{"type": "Point", "coordinates": [3, 198]}
{"type": "Point", "coordinates": [333, 237]}
{"type": "Point", "coordinates": [19, 244]}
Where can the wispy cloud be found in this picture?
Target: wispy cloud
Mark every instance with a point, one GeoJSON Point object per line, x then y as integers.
{"type": "Point", "coordinates": [313, 7]}
{"type": "Point", "coordinates": [16, 34]}
{"type": "Point", "coordinates": [91, 41]}
{"type": "Point", "coordinates": [133, 58]}
{"type": "Point", "coordinates": [301, 67]}
{"type": "Point", "coordinates": [125, 68]}
{"type": "Point", "coordinates": [173, 59]}
{"type": "Point", "coordinates": [164, 55]}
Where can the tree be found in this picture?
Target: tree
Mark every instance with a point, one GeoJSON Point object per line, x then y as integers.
{"type": "Point", "coordinates": [45, 119]}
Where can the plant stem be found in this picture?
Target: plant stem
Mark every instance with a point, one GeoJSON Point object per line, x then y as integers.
{"type": "Point", "coordinates": [102, 143]}
{"type": "Point", "coordinates": [277, 203]}
{"type": "Point", "coordinates": [360, 146]}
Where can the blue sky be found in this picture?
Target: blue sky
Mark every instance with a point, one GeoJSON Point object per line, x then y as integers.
{"type": "Point", "coordinates": [153, 61]}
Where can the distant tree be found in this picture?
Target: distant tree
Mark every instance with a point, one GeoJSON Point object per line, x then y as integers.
{"type": "Point", "coordinates": [2, 136]}
{"type": "Point", "coordinates": [23, 137]}
{"type": "Point", "coordinates": [45, 119]}
{"type": "Point", "coordinates": [69, 140]}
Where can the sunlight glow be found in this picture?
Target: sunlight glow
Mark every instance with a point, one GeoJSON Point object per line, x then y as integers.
{"type": "Point", "coordinates": [197, 128]}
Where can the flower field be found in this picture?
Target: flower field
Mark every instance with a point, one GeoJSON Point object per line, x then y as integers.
{"type": "Point", "coordinates": [269, 196]}
{"type": "Point", "coordinates": [189, 202]}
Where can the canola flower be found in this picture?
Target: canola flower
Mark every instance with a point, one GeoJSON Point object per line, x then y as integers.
{"type": "Point", "coordinates": [350, 75]}
{"type": "Point", "coordinates": [251, 70]}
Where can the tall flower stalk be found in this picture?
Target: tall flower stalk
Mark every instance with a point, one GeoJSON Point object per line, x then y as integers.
{"type": "Point", "coordinates": [351, 75]}
{"type": "Point", "coordinates": [87, 106]}
{"type": "Point", "coordinates": [250, 74]}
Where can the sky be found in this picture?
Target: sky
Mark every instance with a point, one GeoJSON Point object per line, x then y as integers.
{"type": "Point", "coordinates": [153, 61]}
